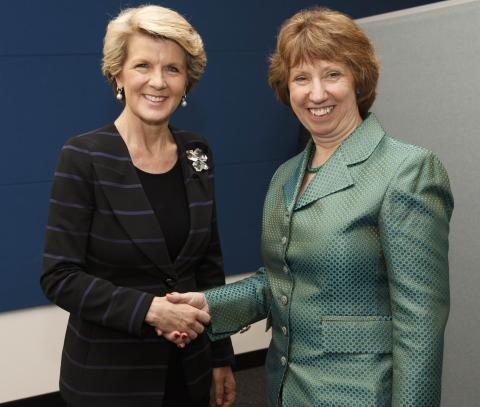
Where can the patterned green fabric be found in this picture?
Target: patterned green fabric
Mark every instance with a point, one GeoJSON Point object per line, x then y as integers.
{"type": "Point", "coordinates": [355, 280]}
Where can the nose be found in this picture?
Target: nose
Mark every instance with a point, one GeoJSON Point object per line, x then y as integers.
{"type": "Point", "coordinates": [157, 80]}
{"type": "Point", "coordinates": [318, 91]}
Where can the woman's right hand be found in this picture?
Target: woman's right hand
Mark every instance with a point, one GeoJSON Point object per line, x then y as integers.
{"type": "Point", "coordinates": [167, 317]}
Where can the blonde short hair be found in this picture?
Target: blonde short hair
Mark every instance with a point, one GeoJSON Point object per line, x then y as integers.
{"type": "Point", "coordinates": [158, 22]}
{"type": "Point", "coordinates": [321, 33]}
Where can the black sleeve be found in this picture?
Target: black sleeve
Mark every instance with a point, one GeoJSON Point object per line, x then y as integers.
{"type": "Point", "coordinates": [65, 278]}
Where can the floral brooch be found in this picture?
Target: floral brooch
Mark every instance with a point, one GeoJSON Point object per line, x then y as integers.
{"type": "Point", "coordinates": [198, 158]}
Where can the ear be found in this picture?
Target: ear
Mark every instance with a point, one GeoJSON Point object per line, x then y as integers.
{"type": "Point", "coordinates": [118, 81]}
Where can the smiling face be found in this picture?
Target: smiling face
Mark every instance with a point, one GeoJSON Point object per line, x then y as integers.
{"type": "Point", "coordinates": [322, 96]}
{"type": "Point", "coordinates": [154, 78]}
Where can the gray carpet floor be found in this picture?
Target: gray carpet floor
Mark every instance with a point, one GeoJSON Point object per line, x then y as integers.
{"type": "Point", "coordinates": [250, 387]}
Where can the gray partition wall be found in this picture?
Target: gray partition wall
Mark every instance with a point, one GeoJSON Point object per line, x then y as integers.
{"type": "Point", "coordinates": [429, 94]}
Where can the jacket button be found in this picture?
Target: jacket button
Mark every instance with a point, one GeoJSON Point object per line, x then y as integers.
{"type": "Point", "coordinates": [284, 240]}
{"type": "Point", "coordinates": [170, 282]}
{"type": "Point", "coordinates": [284, 330]}
{"type": "Point", "coordinates": [283, 360]}
{"type": "Point", "coordinates": [285, 269]}
{"type": "Point", "coordinates": [284, 299]}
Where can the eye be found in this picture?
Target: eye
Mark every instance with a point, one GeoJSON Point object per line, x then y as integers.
{"type": "Point", "coordinates": [333, 74]}
{"type": "Point", "coordinates": [141, 65]}
{"type": "Point", "coordinates": [299, 78]}
{"type": "Point", "coordinates": [173, 69]}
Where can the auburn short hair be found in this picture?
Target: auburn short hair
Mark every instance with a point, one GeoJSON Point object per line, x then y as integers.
{"type": "Point", "coordinates": [321, 33]}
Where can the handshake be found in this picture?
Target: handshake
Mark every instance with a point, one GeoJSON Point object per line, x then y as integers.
{"type": "Point", "coordinates": [179, 318]}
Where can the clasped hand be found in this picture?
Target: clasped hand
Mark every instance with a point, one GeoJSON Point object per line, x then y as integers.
{"type": "Point", "coordinates": [180, 318]}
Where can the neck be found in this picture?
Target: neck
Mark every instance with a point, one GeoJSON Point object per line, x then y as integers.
{"type": "Point", "coordinates": [326, 146]}
{"type": "Point", "coordinates": [138, 134]}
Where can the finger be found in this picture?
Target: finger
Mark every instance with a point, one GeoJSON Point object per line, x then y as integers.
{"type": "Point", "coordinates": [177, 341]}
{"type": "Point", "coordinates": [203, 317]}
{"type": "Point", "coordinates": [197, 327]}
{"type": "Point", "coordinates": [230, 395]}
{"type": "Point", "coordinates": [191, 334]}
{"type": "Point", "coordinates": [229, 389]}
{"type": "Point", "coordinates": [172, 337]}
{"type": "Point", "coordinates": [219, 386]}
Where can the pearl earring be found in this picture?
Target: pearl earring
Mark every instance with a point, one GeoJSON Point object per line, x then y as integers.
{"type": "Point", "coordinates": [184, 101]}
{"type": "Point", "coordinates": [119, 93]}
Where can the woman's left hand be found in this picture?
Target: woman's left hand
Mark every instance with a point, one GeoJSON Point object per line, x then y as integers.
{"type": "Point", "coordinates": [224, 387]}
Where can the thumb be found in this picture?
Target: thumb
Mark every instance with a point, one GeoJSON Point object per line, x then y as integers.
{"type": "Point", "coordinates": [176, 298]}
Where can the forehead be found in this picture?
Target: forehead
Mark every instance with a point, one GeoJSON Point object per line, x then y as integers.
{"type": "Point", "coordinates": [141, 45]}
{"type": "Point", "coordinates": [319, 65]}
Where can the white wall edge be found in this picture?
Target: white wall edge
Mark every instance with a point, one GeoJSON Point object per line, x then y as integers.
{"type": "Point", "coordinates": [414, 10]}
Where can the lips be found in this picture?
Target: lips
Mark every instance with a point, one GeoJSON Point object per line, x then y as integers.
{"type": "Point", "coordinates": [321, 111]}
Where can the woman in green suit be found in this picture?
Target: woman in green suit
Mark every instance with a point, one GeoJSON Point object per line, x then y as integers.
{"type": "Point", "coordinates": [354, 239]}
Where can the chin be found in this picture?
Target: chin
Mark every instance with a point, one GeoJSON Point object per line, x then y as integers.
{"type": "Point", "coordinates": [153, 118]}
{"type": "Point", "coordinates": [152, 121]}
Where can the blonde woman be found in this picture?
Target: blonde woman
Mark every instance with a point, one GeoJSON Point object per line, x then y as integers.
{"type": "Point", "coordinates": [132, 217]}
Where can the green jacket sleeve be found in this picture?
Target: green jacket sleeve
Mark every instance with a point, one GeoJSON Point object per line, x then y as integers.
{"type": "Point", "coordinates": [414, 226]}
{"type": "Point", "coordinates": [235, 305]}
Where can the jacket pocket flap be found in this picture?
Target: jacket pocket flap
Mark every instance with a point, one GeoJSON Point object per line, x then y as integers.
{"type": "Point", "coordinates": [357, 334]}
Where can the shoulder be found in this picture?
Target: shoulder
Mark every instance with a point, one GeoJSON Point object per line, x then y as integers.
{"type": "Point", "coordinates": [401, 156]}
{"type": "Point", "coordinates": [94, 139]}
{"type": "Point", "coordinates": [403, 150]}
{"type": "Point", "coordinates": [78, 152]}
{"type": "Point", "coordinates": [418, 170]}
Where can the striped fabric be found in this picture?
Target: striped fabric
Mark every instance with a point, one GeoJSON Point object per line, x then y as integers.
{"type": "Point", "coordinates": [105, 259]}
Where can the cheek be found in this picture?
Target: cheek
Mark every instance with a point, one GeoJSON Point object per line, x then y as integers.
{"type": "Point", "coordinates": [295, 98]}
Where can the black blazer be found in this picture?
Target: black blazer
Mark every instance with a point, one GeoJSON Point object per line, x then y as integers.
{"type": "Point", "coordinates": [105, 259]}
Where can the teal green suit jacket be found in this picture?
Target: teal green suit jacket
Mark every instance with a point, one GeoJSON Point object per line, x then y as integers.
{"type": "Point", "coordinates": [355, 277]}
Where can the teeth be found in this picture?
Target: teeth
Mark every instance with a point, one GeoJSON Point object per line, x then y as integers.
{"type": "Point", "coordinates": [322, 111]}
{"type": "Point", "coordinates": [154, 98]}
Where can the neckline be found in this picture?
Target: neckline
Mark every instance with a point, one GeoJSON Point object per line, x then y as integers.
{"type": "Point", "coordinates": [154, 174]}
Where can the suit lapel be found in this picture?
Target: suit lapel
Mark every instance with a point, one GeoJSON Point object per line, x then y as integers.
{"type": "Point", "coordinates": [199, 193]}
{"type": "Point", "coordinates": [335, 175]}
{"type": "Point", "coordinates": [115, 176]}
{"type": "Point", "coordinates": [293, 183]}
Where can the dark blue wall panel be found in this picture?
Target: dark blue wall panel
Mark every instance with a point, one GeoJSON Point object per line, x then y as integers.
{"type": "Point", "coordinates": [52, 88]}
